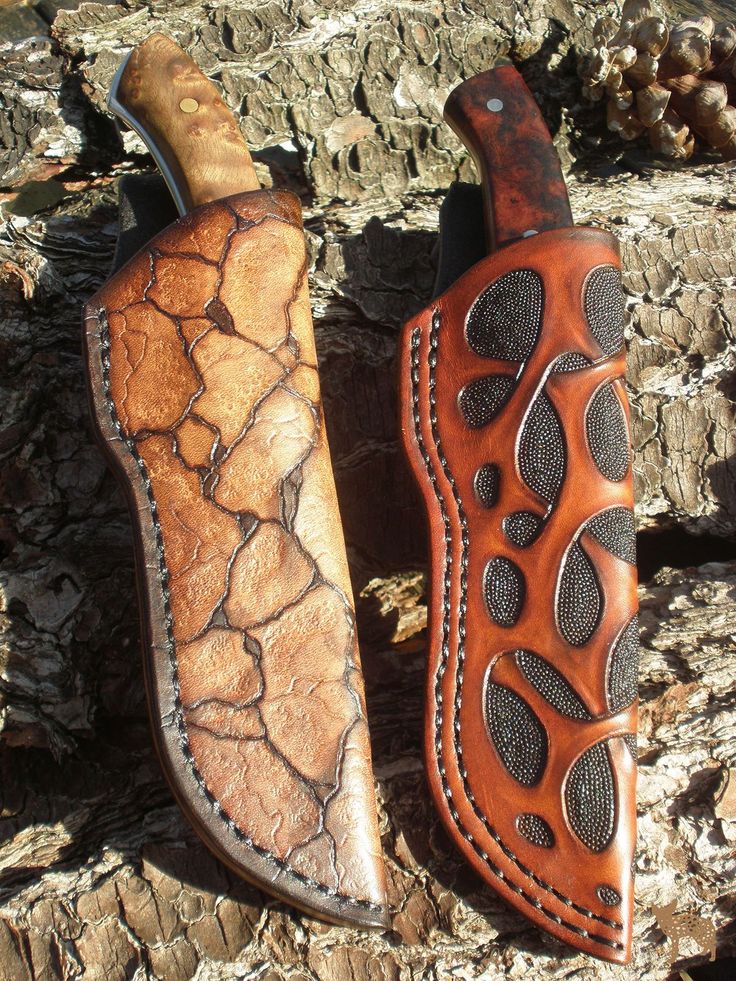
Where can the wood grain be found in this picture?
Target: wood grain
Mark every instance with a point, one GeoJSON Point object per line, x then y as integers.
{"type": "Point", "coordinates": [180, 115]}
{"type": "Point", "coordinates": [496, 117]}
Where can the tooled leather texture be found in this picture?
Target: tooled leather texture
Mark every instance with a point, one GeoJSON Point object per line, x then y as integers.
{"type": "Point", "coordinates": [204, 384]}
{"type": "Point", "coordinates": [515, 421]}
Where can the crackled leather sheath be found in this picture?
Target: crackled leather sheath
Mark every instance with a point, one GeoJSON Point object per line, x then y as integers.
{"type": "Point", "coordinates": [204, 386]}
{"type": "Point", "coordinates": [515, 421]}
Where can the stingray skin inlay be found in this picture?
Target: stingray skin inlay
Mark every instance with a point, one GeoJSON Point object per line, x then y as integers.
{"type": "Point", "coordinates": [530, 705]}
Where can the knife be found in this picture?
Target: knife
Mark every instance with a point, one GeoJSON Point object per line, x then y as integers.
{"type": "Point", "coordinates": [203, 380]}
{"type": "Point", "coordinates": [515, 423]}
{"type": "Point", "coordinates": [161, 94]}
{"type": "Point", "coordinates": [499, 122]}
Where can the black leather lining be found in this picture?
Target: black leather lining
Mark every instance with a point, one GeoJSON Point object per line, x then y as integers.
{"type": "Point", "coordinates": [462, 240]}
{"type": "Point", "coordinates": [145, 209]}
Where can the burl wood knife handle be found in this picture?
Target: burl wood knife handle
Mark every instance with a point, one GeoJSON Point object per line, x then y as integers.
{"type": "Point", "coordinates": [524, 193]}
{"type": "Point", "coordinates": [178, 113]}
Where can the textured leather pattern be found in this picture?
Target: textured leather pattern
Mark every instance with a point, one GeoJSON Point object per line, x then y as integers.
{"type": "Point", "coordinates": [515, 421]}
{"type": "Point", "coordinates": [204, 384]}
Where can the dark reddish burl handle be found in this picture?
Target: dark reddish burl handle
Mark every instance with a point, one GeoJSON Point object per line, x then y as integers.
{"type": "Point", "coordinates": [496, 117]}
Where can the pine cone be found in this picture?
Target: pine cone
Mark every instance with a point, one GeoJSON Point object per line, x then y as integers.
{"type": "Point", "coordinates": [672, 83]}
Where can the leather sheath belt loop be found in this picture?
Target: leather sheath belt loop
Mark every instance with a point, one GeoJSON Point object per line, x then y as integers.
{"type": "Point", "coordinates": [516, 424]}
{"type": "Point", "coordinates": [205, 393]}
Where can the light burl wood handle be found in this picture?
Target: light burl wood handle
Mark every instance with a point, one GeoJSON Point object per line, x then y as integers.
{"type": "Point", "coordinates": [179, 114]}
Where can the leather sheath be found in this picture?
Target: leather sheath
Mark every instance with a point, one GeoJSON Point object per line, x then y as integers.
{"type": "Point", "coordinates": [515, 421]}
{"type": "Point", "coordinates": [205, 393]}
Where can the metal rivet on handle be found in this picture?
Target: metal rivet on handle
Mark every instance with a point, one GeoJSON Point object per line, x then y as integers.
{"type": "Point", "coordinates": [495, 105]}
{"type": "Point", "coordinates": [189, 105]}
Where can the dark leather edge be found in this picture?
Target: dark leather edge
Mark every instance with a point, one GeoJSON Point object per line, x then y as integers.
{"type": "Point", "coordinates": [462, 237]}
{"type": "Point", "coordinates": [145, 208]}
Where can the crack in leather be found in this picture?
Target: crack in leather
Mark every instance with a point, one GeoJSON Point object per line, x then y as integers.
{"type": "Point", "coordinates": [257, 604]}
{"type": "Point", "coordinates": [449, 494]}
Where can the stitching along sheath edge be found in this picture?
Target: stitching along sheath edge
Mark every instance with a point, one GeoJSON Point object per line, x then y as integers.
{"type": "Point", "coordinates": [467, 639]}
{"type": "Point", "coordinates": [243, 662]}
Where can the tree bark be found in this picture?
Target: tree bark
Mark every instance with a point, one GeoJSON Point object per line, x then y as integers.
{"type": "Point", "coordinates": [99, 874]}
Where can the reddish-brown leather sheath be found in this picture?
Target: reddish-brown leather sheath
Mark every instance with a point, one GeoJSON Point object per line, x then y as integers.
{"type": "Point", "coordinates": [204, 388]}
{"type": "Point", "coordinates": [515, 421]}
